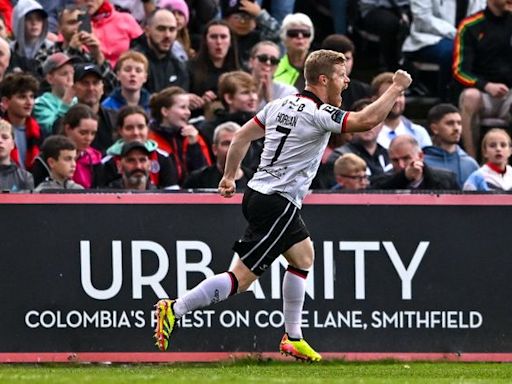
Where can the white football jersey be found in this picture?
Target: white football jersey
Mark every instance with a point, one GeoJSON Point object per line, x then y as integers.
{"type": "Point", "coordinates": [297, 130]}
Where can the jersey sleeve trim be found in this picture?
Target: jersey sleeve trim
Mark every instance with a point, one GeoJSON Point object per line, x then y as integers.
{"type": "Point", "coordinates": [257, 121]}
{"type": "Point", "coordinates": [344, 122]}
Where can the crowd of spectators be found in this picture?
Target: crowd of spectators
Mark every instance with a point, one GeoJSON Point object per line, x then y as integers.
{"type": "Point", "coordinates": [148, 94]}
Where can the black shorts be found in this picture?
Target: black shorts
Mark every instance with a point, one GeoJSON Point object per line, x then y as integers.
{"type": "Point", "coordinates": [275, 225]}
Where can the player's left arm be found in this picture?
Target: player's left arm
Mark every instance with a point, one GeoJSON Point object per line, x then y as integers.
{"type": "Point", "coordinates": [252, 130]}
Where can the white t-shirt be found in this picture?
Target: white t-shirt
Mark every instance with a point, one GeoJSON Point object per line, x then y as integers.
{"type": "Point", "coordinates": [406, 127]}
{"type": "Point", "coordinates": [297, 130]}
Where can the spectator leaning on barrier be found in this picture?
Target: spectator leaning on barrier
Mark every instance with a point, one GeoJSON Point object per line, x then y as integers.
{"type": "Point", "coordinates": [395, 123]}
{"type": "Point", "coordinates": [482, 57]}
{"type": "Point", "coordinates": [59, 153]}
{"type": "Point", "coordinates": [444, 121]}
{"type": "Point", "coordinates": [12, 177]}
{"type": "Point", "coordinates": [50, 106]}
{"type": "Point", "coordinates": [495, 174]}
{"type": "Point", "coordinates": [17, 91]}
{"type": "Point", "coordinates": [209, 177]}
{"type": "Point", "coordinates": [134, 165]}
{"type": "Point", "coordinates": [410, 171]}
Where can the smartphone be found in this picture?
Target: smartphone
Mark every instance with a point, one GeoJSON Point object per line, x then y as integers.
{"type": "Point", "coordinates": [85, 21]}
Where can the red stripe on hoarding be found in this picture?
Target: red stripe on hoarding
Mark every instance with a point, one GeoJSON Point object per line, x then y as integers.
{"type": "Point", "coordinates": [214, 198]}
{"type": "Point", "coordinates": [159, 357]}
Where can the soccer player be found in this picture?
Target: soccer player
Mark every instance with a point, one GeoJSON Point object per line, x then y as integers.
{"type": "Point", "coordinates": [296, 131]}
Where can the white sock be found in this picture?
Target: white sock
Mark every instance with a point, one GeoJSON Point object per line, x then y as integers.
{"type": "Point", "coordinates": [210, 291]}
{"type": "Point", "coordinates": [294, 289]}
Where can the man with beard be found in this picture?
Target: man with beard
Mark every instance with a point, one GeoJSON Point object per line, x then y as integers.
{"type": "Point", "coordinates": [134, 168]}
{"type": "Point", "coordinates": [396, 124]}
{"type": "Point", "coordinates": [445, 123]}
{"type": "Point", "coordinates": [159, 35]}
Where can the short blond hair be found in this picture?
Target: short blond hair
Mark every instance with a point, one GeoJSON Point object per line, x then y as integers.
{"type": "Point", "coordinates": [321, 62]}
{"type": "Point", "coordinates": [231, 82]}
{"type": "Point", "coordinates": [348, 163]}
{"type": "Point", "coordinates": [132, 55]}
{"type": "Point", "coordinates": [5, 126]}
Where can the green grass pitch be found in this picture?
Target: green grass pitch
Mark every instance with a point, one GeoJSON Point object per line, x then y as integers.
{"type": "Point", "coordinates": [266, 372]}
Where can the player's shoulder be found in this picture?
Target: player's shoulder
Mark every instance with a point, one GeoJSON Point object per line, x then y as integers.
{"type": "Point", "coordinates": [335, 113]}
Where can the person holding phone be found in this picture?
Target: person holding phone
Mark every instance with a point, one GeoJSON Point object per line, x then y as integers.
{"type": "Point", "coordinates": [78, 41]}
{"type": "Point", "coordinates": [113, 29]}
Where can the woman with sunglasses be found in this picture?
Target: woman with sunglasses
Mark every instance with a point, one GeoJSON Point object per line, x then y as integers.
{"type": "Point", "coordinates": [263, 65]}
{"type": "Point", "coordinates": [297, 33]}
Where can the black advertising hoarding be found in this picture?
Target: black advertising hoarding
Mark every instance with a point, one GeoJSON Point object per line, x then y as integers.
{"type": "Point", "coordinates": [393, 274]}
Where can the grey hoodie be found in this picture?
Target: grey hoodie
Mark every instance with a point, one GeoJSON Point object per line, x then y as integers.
{"type": "Point", "coordinates": [20, 45]}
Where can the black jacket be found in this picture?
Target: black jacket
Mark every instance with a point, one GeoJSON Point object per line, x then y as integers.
{"type": "Point", "coordinates": [164, 72]}
{"type": "Point", "coordinates": [433, 179]}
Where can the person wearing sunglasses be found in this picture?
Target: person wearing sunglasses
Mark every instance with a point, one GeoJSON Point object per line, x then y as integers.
{"type": "Point", "coordinates": [297, 33]}
{"type": "Point", "coordinates": [263, 65]}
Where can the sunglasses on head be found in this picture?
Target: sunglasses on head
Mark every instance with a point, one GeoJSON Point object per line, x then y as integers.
{"type": "Point", "coordinates": [267, 59]}
{"type": "Point", "coordinates": [296, 32]}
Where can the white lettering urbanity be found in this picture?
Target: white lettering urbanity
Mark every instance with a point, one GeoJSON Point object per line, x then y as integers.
{"type": "Point", "coordinates": [117, 271]}
{"type": "Point", "coordinates": [144, 251]}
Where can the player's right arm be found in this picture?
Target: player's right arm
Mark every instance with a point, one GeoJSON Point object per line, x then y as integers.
{"type": "Point", "coordinates": [237, 150]}
{"type": "Point", "coordinates": [376, 112]}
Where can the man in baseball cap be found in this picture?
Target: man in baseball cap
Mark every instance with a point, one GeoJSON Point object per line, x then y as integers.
{"type": "Point", "coordinates": [50, 106]}
{"type": "Point", "coordinates": [84, 69]}
{"type": "Point", "coordinates": [89, 90]}
{"type": "Point", "coordinates": [134, 166]}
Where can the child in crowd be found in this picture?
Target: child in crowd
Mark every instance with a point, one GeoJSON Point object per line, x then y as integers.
{"type": "Point", "coordinates": [132, 73]}
{"type": "Point", "coordinates": [12, 177]}
{"type": "Point", "coordinates": [495, 174]}
{"type": "Point", "coordinates": [350, 173]}
{"type": "Point", "coordinates": [50, 106]}
{"type": "Point", "coordinates": [174, 135]}
{"type": "Point", "coordinates": [59, 153]}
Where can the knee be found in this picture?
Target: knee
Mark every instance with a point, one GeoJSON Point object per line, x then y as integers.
{"type": "Point", "coordinates": [470, 100]}
{"type": "Point", "coordinates": [304, 262]}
